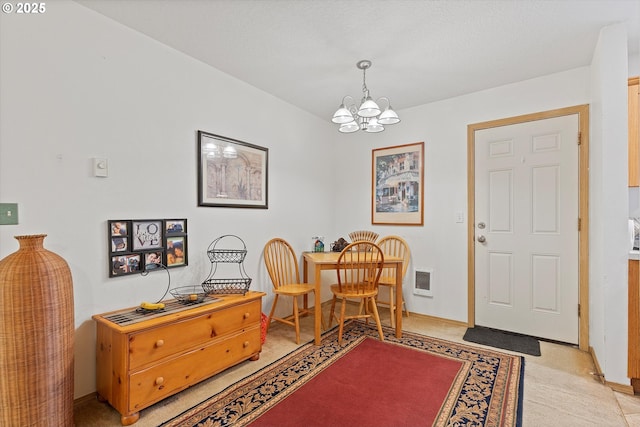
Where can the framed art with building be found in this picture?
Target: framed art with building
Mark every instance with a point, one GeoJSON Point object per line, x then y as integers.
{"type": "Point", "coordinates": [397, 185]}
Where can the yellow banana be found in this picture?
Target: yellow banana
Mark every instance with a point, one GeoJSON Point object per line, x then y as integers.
{"type": "Point", "coordinates": [152, 306]}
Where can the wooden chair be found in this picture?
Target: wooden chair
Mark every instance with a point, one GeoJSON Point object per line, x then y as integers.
{"type": "Point", "coordinates": [282, 265]}
{"type": "Point", "coordinates": [359, 267]}
{"type": "Point", "coordinates": [393, 246]}
{"type": "Point", "coordinates": [368, 236]}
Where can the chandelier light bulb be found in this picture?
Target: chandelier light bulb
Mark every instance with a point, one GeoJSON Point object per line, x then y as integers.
{"type": "Point", "coordinates": [388, 116]}
{"type": "Point", "coordinates": [369, 108]}
{"type": "Point", "coordinates": [349, 127]}
{"type": "Point", "coordinates": [342, 115]}
{"type": "Point", "coordinates": [373, 126]}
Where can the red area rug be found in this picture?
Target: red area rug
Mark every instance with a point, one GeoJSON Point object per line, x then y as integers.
{"type": "Point", "coordinates": [411, 381]}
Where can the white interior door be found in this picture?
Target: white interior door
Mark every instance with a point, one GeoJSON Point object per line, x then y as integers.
{"type": "Point", "coordinates": [526, 228]}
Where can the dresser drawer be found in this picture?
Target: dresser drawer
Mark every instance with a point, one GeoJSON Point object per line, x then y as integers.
{"type": "Point", "coordinates": [157, 382]}
{"type": "Point", "coordinates": [151, 345]}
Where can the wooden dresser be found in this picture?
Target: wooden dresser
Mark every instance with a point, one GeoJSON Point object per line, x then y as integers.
{"type": "Point", "coordinates": [141, 361]}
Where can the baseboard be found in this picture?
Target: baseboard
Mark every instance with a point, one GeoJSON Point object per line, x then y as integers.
{"type": "Point", "coordinates": [439, 319]}
{"type": "Point", "coordinates": [621, 388]}
{"type": "Point", "coordinates": [626, 389]}
{"type": "Point", "coordinates": [411, 313]}
{"type": "Point", "coordinates": [84, 399]}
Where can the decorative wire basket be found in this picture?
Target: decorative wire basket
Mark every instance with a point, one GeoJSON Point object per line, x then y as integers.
{"type": "Point", "coordinates": [189, 294]}
{"type": "Point", "coordinates": [227, 255]}
{"type": "Point", "coordinates": [227, 249]}
{"type": "Point", "coordinates": [226, 286]}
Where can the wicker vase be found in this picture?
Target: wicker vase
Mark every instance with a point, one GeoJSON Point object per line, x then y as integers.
{"type": "Point", "coordinates": [36, 337]}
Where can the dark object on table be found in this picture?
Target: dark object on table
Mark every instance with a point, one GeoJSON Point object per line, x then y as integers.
{"type": "Point", "coordinates": [339, 245]}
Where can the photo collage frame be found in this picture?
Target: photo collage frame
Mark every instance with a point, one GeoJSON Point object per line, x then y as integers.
{"type": "Point", "coordinates": [138, 245]}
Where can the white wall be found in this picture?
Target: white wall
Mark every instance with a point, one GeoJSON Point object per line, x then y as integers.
{"type": "Point", "coordinates": [609, 203]}
{"type": "Point", "coordinates": [76, 85]}
{"type": "Point", "coordinates": [634, 64]}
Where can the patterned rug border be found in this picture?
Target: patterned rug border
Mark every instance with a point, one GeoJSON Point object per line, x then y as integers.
{"type": "Point", "coordinates": [477, 396]}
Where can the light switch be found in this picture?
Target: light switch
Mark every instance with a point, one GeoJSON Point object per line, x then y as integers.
{"type": "Point", "coordinates": [8, 213]}
{"type": "Point", "coordinates": [100, 167]}
{"type": "Point", "coordinates": [459, 216]}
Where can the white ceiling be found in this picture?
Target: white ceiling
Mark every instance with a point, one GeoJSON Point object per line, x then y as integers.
{"type": "Point", "coordinates": [305, 51]}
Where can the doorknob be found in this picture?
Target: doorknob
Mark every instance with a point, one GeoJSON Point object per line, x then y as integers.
{"type": "Point", "coordinates": [481, 239]}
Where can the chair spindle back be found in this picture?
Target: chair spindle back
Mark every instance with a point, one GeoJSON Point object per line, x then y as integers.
{"type": "Point", "coordinates": [281, 262]}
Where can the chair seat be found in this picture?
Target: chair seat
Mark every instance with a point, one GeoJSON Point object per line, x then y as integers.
{"type": "Point", "coordinates": [294, 289]}
{"type": "Point", "coordinates": [387, 281]}
{"type": "Point", "coordinates": [360, 294]}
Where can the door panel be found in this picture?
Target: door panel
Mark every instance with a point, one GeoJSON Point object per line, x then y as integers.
{"type": "Point", "coordinates": [545, 287]}
{"type": "Point", "coordinates": [501, 283]}
{"type": "Point", "coordinates": [501, 201]}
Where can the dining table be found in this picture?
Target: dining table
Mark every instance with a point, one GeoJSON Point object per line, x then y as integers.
{"type": "Point", "coordinates": [319, 261]}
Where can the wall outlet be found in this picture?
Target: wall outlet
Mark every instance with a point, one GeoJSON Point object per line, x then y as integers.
{"type": "Point", "coordinates": [8, 213]}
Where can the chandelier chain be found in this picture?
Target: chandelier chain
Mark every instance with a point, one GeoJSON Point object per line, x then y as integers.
{"type": "Point", "coordinates": [365, 91]}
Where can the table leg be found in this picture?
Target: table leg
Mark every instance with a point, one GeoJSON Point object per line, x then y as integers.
{"type": "Point", "coordinates": [304, 280]}
{"type": "Point", "coordinates": [398, 300]}
{"type": "Point", "coordinates": [318, 306]}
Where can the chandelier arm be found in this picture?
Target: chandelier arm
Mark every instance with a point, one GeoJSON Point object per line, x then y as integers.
{"type": "Point", "coordinates": [386, 99]}
{"type": "Point", "coordinates": [344, 100]}
{"type": "Point", "coordinates": [351, 106]}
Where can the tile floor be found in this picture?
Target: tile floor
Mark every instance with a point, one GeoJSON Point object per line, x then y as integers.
{"type": "Point", "coordinates": [559, 389]}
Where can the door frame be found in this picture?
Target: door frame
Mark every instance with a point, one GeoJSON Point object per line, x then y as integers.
{"type": "Point", "coordinates": [583, 209]}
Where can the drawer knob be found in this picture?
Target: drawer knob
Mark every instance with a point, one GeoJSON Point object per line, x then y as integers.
{"type": "Point", "coordinates": [245, 344]}
{"type": "Point", "coordinates": [159, 343]}
{"type": "Point", "coordinates": [159, 381]}
{"type": "Point", "coordinates": [246, 315]}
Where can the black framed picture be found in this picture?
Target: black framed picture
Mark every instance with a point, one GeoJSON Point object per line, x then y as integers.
{"type": "Point", "coordinates": [119, 244]}
{"type": "Point", "coordinates": [125, 264]}
{"type": "Point", "coordinates": [145, 245]}
{"type": "Point", "coordinates": [119, 238]}
{"type": "Point", "coordinates": [175, 226]}
{"type": "Point", "coordinates": [231, 173]}
{"type": "Point", "coordinates": [119, 228]}
{"type": "Point", "coordinates": [146, 234]}
{"type": "Point", "coordinates": [153, 260]}
{"type": "Point", "coordinates": [176, 251]}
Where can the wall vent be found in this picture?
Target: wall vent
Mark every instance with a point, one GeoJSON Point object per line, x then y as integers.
{"type": "Point", "coordinates": [423, 284]}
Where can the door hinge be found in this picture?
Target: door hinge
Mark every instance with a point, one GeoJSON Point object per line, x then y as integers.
{"type": "Point", "coordinates": [578, 310]}
{"type": "Point", "coordinates": [579, 138]}
{"type": "Point", "coordinates": [579, 224]}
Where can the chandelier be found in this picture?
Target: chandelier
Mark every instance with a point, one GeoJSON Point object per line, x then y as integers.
{"type": "Point", "coordinates": [368, 117]}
